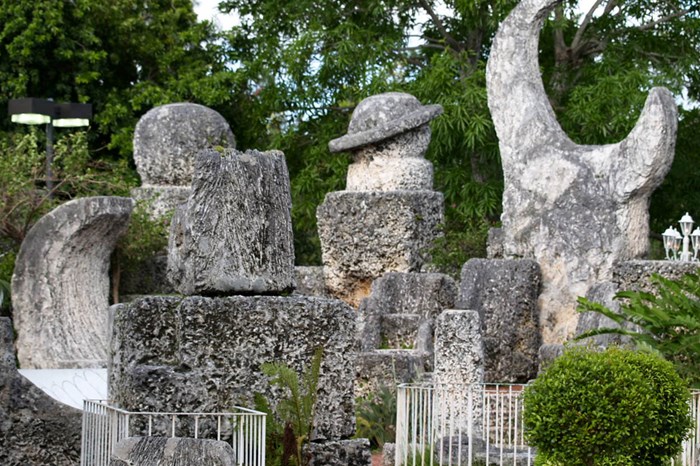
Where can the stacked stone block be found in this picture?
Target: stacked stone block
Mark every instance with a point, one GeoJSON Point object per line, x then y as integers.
{"type": "Point", "coordinates": [231, 253]}
{"type": "Point", "coordinates": [388, 216]}
{"type": "Point", "coordinates": [396, 326]}
{"type": "Point", "coordinates": [504, 293]}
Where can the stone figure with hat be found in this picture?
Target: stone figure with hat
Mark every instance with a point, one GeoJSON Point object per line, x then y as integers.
{"type": "Point", "coordinates": [388, 136]}
{"type": "Point", "coordinates": [388, 215]}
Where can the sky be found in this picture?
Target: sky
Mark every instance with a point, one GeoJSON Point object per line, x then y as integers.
{"type": "Point", "coordinates": [206, 9]}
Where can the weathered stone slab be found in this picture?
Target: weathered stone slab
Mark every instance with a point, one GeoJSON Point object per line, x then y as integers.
{"type": "Point", "coordinates": [574, 209]}
{"type": "Point", "coordinates": [161, 451]}
{"type": "Point", "coordinates": [352, 452]}
{"type": "Point", "coordinates": [34, 428]}
{"type": "Point", "coordinates": [504, 292]}
{"type": "Point", "coordinates": [366, 234]}
{"type": "Point", "coordinates": [459, 349]}
{"type": "Point", "coordinates": [234, 235]}
{"type": "Point", "coordinates": [167, 139]}
{"type": "Point", "coordinates": [204, 354]}
{"type": "Point", "coordinates": [635, 275]}
{"type": "Point", "coordinates": [60, 286]}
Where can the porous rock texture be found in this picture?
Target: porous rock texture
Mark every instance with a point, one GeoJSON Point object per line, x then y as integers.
{"type": "Point", "coordinates": [416, 296]}
{"type": "Point", "coordinates": [504, 293]}
{"type": "Point", "coordinates": [200, 354]}
{"type": "Point", "coordinates": [161, 201]}
{"type": "Point", "coordinates": [351, 452]}
{"type": "Point", "coordinates": [397, 164]}
{"type": "Point", "coordinates": [366, 234]}
{"type": "Point", "coordinates": [635, 275]}
{"type": "Point", "coordinates": [386, 368]}
{"type": "Point", "coordinates": [574, 209]}
{"type": "Point", "coordinates": [161, 451]}
{"type": "Point", "coordinates": [234, 235]}
{"type": "Point", "coordinates": [459, 349]}
{"type": "Point", "coordinates": [60, 286]}
{"type": "Point", "coordinates": [167, 139]}
{"type": "Point", "coordinates": [309, 281]}
{"type": "Point", "coordinates": [34, 428]}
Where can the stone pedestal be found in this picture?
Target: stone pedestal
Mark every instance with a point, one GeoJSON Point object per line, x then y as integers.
{"type": "Point", "coordinates": [366, 234]}
{"type": "Point", "coordinates": [234, 235]}
{"type": "Point", "coordinates": [204, 354]}
{"type": "Point", "coordinates": [459, 349]}
{"type": "Point", "coordinates": [505, 292]}
{"type": "Point", "coordinates": [163, 451]}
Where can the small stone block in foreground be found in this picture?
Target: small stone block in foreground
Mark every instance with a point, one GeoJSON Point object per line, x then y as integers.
{"type": "Point", "coordinates": [140, 451]}
{"type": "Point", "coordinates": [459, 351]}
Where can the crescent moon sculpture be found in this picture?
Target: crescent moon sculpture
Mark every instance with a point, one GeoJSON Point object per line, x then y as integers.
{"type": "Point", "coordinates": [60, 285]}
{"type": "Point", "coordinates": [576, 209]}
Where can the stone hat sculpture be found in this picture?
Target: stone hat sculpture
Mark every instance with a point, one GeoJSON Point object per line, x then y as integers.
{"type": "Point", "coordinates": [381, 117]}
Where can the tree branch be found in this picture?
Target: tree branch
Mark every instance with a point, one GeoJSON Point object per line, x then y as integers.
{"type": "Point", "coordinates": [653, 24]}
{"type": "Point", "coordinates": [584, 24]}
{"type": "Point", "coordinates": [452, 42]}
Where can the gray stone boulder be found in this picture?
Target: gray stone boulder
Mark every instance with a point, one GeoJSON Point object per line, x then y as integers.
{"type": "Point", "coordinates": [167, 139]}
{"type": "Point", "coordinates": [60, 286]}
{"type": "Point", "coordinates": [146, 451]}
{"type": "Point", "coordinates": [310, 282]}
{"type": "Point", "coordinates": [574, 209]}
{"type": "Point", "coordinates": [234, 235]}
{"type": "Point", "coordinates": [386, 368]}
{"type": "Point", "coordinates": [504, 292]}
{"type": "Point", "coordinates": [602, 293]}
{"type": "Point", "coordinates": [34, 428]}
{"type": "Point", "coordinates": [366, 234]}
{"type": "Point", "coordinates": [635, 275]}
{"type": "Point", "coordinates": [204, 354]}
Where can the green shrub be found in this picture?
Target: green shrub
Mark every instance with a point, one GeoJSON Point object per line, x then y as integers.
{"type": "Point", "coordinates": [613, 407]}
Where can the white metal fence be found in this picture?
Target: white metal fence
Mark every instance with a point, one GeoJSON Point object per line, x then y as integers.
{"type": "Point", "coordinates": [105, 425]}
{"type": "Point", "coordinates": [476, 425]}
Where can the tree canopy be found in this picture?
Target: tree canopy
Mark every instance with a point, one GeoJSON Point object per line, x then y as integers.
{"type": "Point", "coordinates": [290, 74]}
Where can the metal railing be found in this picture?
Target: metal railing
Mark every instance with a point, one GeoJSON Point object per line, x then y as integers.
{"type": "Point", "coordinates": [105, 425]}
{"type": "Point", "coordinates": [479, 424]}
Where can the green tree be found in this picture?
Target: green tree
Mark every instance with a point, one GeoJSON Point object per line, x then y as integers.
{"type": "Point", "coordinates": [123, 56]}
{"type": "Point", "coordinates": [308, 63]}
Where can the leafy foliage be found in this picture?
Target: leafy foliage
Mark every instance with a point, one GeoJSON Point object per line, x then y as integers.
{"type": "Point", "coordinates": [297, 410]}
{"type": "Point", "coordinates": [23, 196]}
{"type": "Point", "coordinates": [615, 407]}
{"type": "Point", "coordinates": [668, 320]}
{"type": "Point", "coordinates": [376, 417]}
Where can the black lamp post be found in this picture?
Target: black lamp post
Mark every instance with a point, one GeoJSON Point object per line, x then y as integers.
{"type": "Point", "coordinates": [32, 111]}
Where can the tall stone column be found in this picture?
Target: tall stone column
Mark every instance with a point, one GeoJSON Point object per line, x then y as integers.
{"type": "Point", "coordinates": [575, 209]}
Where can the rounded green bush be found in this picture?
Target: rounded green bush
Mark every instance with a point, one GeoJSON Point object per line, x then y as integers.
{"type": "Point", "coordinates": [612, 407]}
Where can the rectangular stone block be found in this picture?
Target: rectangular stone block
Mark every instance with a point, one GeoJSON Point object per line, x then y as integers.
{"type": "Point", "coordinates": [234, 235]}
{"type": "Point", "coordinates": [505, 294]}
{"type": "Point", "coordinates": [204, 354]}
{"type": "Point", "coordinates": [366, 234]}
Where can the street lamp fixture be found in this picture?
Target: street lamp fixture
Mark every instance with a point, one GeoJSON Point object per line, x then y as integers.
{"type": "Point", "coordinates": [675, 241]}
{"type": "Point", "coordinates": [32, 111]}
